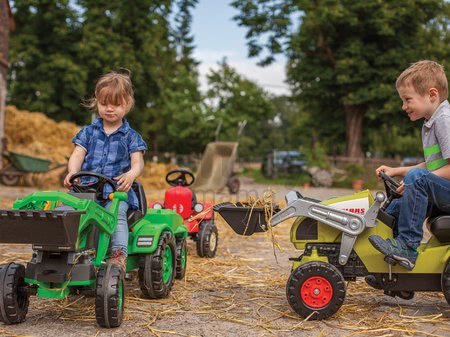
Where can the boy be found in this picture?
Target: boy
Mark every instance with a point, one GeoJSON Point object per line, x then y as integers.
{"type": "Point", "coordinates": [423, 89]}
{"type": "Point", "coordinates": [111, 147]}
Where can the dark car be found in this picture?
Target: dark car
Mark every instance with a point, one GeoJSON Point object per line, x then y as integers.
{"type": "Point", "coordinates": [283, 162]}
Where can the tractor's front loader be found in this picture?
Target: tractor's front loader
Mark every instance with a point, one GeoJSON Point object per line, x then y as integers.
{"type": "Point", "coordinates": [69, 245]}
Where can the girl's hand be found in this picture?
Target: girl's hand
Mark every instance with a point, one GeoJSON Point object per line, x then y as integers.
{"type": "Point", "coordinates": [67, 183]}
{"type": "Point", "coordinates": [125, 181]}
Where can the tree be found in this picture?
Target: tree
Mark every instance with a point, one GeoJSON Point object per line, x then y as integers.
{"type": "Point", "coordinates": [345, 55]}
{"type": "Point", "coordinates": [45, 73]}
{"type": "Point", "coordinates": [186, 127]}
{"type": "Point", "coordinates": [235, 99]}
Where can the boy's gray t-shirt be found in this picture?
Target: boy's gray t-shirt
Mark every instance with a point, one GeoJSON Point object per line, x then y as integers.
{"type": "Point", "coordinates": [436, 137]}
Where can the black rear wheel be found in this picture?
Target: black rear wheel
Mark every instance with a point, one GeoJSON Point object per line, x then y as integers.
{"type": "Point", "coordinates": [316, 290]}
{"type": "Point", "coordinates": [109, 297]}
{"type": "Point", "coordinates": [157, 271]}
{"type": "Point", "coordinates": [445, 281]}
{"type": "Point", "coordinates": [14, 299]}
{"type": "Point", "coordinates": [207, 239]}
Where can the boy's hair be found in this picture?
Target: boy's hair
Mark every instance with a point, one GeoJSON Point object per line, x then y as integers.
{"type": "Point", "coordinates": [424, 75]}
{"type": "Point", "coordinates": [114, 88]}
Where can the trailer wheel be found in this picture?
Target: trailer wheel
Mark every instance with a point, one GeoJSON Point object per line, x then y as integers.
{"type": "Point", "coordinates": [14, 299]}
{"type": "Point", "coordinates": [109, 297]}
{"type": "Point", "coordinates": [157, 270]}
{"type": "Point", "coordinates": [207, 239]}
{"type": "Point", "coordinates": [181, 258]}
{"type": "Point", "coordinates": [316, 290]}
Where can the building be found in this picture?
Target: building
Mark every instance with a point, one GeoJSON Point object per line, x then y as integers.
{"type": "Point", "coordinates": [7, 25]}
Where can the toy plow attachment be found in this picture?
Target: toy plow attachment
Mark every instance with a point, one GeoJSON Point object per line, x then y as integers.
{"type": "Point", "coordinates": [40, 228]}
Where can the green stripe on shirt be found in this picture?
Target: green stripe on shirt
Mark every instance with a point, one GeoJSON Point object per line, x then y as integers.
{"type": "Point", "coordinates": [436, 164]}
{"type": "Point", "coordinates": [430, 150]}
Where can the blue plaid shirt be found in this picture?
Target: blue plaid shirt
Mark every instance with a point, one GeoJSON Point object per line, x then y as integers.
{"type": "Point", "coordinates": [109, 155]}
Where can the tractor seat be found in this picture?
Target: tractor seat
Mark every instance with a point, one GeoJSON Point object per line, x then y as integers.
{"type": "Point", "coordinates": [439, 224]}
{"type": "Point", "coordinates": [134, 215]}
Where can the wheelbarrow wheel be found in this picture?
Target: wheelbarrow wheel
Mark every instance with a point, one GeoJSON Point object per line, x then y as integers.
{"type": "Point", "coordinates": [233, 185]}
{"type": "Point", "coordinates": [316, 290]}
{"type": "Point", "coordinates": [207, 239]}
{"type": "Point", "coordinates": [109, 296]}
{"type": "Point", "coordinates": [157, 271]}
{"type": "Point", "coordinates": [9, 179]}
{"type": "Point", "coordinates": [14, 299]}
{"type": "Point", "coordinates": [181, 258]}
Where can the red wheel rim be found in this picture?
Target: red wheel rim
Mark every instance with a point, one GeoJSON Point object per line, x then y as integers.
{"type": "Point", "coordinates": [316, 292]}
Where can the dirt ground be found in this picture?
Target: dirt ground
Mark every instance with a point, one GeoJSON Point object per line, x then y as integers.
{"type": "Point", "coordinates": [239, 292]}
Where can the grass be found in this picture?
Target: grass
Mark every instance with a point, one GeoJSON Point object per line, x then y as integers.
{"type": "Point", "coordinates": [282, 179]}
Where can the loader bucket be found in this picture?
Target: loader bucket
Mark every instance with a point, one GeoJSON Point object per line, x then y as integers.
{"type": "Point", "coordinates": [40, 228]}
{"type": "Point", "coordinates": [244, 220]}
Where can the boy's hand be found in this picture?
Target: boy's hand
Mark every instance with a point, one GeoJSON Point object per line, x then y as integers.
{"type": "Point", "coordinates": [125, 181]}
{"type": "Point", "coordinates": [401, 188]}
{"type": "Point", "coordinates": [390, 171]}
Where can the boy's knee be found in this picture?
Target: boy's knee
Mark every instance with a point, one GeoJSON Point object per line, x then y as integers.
{"type": "Point", "coordinates": [414, 175]}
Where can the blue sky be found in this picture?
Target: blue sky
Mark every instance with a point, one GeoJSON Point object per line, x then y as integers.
{"type": "Point", "coordinates": [216, 36]}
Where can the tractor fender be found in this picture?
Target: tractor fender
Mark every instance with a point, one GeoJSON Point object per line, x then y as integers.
{"type": "Point", "coordinates": [151, 226]}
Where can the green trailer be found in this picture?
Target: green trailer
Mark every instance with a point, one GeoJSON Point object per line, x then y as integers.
{"type": "Point", "coordinates": [70, 235]}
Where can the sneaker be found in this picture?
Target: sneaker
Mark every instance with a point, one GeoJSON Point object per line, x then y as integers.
{"type": "Point", "coordinates": [372, 281]}
{"type": "Point", "coordinates": [119, 259]}
{"type": "Point", "coordinates": [395, 249]}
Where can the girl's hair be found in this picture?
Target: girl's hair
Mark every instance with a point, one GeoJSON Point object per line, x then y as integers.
{"type": "Point", "coordinates": [113, 88]}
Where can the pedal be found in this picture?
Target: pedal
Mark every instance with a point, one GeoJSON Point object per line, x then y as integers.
{"type": "Point", "coordinates": [390, 260]}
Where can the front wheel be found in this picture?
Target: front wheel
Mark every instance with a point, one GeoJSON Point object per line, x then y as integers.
{"type": "Point", "coordinates": [207, 239]}
{"type": "Point", "coordinates": [181, 258]}
{"type": "Point", "coordinates": [157, 270]}
{"type": "Point", "coordinates": [14, 299]}
{"type": "Point", "coordinates": [316, 290]}
{"type": "Point", "coordinates": [109, 297]}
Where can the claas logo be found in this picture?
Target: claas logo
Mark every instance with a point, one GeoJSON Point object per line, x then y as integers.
{"type": "Point", "coordinates": [361, 211]}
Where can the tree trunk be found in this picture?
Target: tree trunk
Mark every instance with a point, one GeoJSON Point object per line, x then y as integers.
{"type": "Point", "coordinates": [354, 115]}
{"type": "Point", "coordinates": [154, 149]}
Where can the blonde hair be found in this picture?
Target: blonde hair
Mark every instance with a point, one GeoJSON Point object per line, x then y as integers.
{"type": "Point", "coordinates": [113, 88]}
{"type": "Point", "coordinates": [424, 75]}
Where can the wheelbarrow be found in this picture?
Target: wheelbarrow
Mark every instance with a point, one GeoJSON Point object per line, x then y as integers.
{"type": "Point", "coordinates": [21, 165]}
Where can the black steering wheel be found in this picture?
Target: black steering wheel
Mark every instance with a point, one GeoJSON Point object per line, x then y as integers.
{"type": "Point", "coordinates": [96, 187]}
{"type": "Point", "coordinates": [177, 177]}
{"type": "Point", "coordinates": [391, 185]}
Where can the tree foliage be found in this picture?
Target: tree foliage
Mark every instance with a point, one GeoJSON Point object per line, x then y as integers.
{"type": "Point", "coordinates": [236, 99]}
{"type": "Point", "coordinates": [345, 55]}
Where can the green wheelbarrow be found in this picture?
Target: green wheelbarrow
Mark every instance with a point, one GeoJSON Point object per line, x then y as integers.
{"type": "Point", "coordinates": [22, 165]}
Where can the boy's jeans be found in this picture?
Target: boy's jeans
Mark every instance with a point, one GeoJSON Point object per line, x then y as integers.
{"type": "Point", "coordinates": [119, 239]}
{"type": "Point", "coordinates": [423, 191]}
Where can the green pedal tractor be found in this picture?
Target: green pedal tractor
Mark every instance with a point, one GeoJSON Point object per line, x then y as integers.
{"type": "Point", "coordinates": [333, 236]}
{"type": "Point", "coordinates": [70, 236]}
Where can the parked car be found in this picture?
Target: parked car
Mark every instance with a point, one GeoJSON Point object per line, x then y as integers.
{"type": "Point", "coordinates": [284, 162]}
{"type": "Point", "coordinates": [411, 161]}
